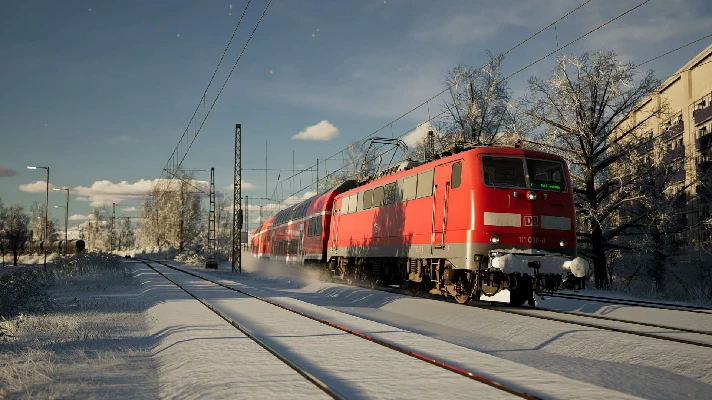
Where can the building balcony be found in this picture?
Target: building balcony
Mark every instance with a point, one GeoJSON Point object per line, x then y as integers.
{"type": "Point", "coordinates": [704, 167]}
{"type": "Point", "coordinates": [703, 142]}
{"type": "Point", "coordinates": [702, 115]}
{"type": "Point", "coordinates": [645, 147]}
{"type": "Point", "coordinates": [704, 194]}
{"type": "Point", "coordinates": [673, 131]}
{"type": "Point", "coordinates": [674, 154]}
{"type": "Point", "coordinates": [678, 176]}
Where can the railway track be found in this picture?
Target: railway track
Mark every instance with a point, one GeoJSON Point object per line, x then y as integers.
{"type": "Point", "coordinates": [536, 313]}
{"type": "Point", "coordinates": [639, 303]}
{"type": "Point", "coordinates": [320, 384]}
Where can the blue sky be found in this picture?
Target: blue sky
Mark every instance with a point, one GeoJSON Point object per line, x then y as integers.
{"type": "Point", "coordinates": [102, 91]}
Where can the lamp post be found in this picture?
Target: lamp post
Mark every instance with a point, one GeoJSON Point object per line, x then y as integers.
{"type": "Point", "coordinates": [46, 210]}
{"type": "Point", "coordinates": [66, 219]}
{"type": "Point", "coordinates": [113, 218]}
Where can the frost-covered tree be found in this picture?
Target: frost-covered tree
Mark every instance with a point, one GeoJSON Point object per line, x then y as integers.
{"type": "Point", "coordinates": [37, 212]}
{"type": "Point", "coordinates": [15, 224]}
{"type": "Point", "coordinates": [581, 111]}
{"type": "Point", "coordinates": [97, 230]}
{"type": "Point", "coordinates": [172, 213]}
{"type": "Point", "coordinates": [478, 103]}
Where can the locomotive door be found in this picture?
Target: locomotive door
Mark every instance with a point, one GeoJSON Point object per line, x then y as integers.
{"type": "Point", "coordinates": [441, 191]}
{"type": "Point", "coordinates": [300, 247]}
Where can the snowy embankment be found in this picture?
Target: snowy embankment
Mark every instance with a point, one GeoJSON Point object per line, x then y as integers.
{"type": "Point", "coordinates": [74, 330]}
{"type": "Point", "coordinates": [639, 366]}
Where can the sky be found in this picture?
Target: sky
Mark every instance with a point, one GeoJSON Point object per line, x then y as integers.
{"type": "Point", "coordinates": [101, 92]}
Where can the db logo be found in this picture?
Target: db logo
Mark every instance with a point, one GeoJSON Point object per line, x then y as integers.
{"type": "Point", "coordinates": [531, 220]}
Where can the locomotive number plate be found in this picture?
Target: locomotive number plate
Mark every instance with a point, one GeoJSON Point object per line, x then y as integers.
{"type": "Point", "coordinates": [532, 240]}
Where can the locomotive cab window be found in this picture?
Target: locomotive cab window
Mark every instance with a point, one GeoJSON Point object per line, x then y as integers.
{"type": "Point", "coordinates": [456, 178]}
{"type": "Point", "coordinates": [503, 171]}
{"type": "Point", "coordinates": [545, 174]}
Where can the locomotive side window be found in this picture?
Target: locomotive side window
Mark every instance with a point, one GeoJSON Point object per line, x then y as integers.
{"type": "Point", "coordinates": [544, 174]}
{"type": "Point", "coordinates": [377, 197]}
{"type": "Point", "coordinates": [352, 202]}
{"type": "Point", "coordinates": [425, 183]}
{"type": "Point", "coordinates": [503, 171]}
{"type": "Point", "coordinates": [409, 187]}
{"type": "Point", "coordinates": [456, 178]}
{"type": "Point", "coordinates": [344, 205]}
{"type": "Point", "coordinates": [367, 199]}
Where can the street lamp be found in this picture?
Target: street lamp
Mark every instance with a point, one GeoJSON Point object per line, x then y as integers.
{"type": "Point", "coordinates": [46, 210]}
{"type": "Point", "coordinates": [66, 218]}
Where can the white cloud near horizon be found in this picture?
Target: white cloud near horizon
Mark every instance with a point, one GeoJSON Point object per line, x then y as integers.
{"type": "Point", "coordinates": [80, 217]}
{"type": "Point", "coordinates": [245, 186]}
{"type": "Point", "coordinates": [324, 130]}
{"type": "Point", "coordinates": [36, 187]}
{"type": "Point", "coordinates": [7, 172]}
{"type": "Point", "coordinates": [103, 193]}
{"type": "Point", "coordinates": [130, 209]}
{"type": "Point", "coordinates": [416, 136]}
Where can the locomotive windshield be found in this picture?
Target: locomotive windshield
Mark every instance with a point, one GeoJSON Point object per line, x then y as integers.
{"type": "Point", "coordinates": [523, 173]}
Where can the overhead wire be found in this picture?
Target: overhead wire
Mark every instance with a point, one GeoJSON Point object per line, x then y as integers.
{"type": "Point", "coordinates": [506, 78]}
{"type": "Point", "coordinates": [448, 88]}
{"type": "Point", "coordinates": [205, 92]}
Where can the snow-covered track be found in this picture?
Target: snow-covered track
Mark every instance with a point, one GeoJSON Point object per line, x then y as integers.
{"type": "Point", "coordinates": [430, 360]}
{"type": "Point", "coordinates": [630, 302]}
{"type": "Point", "coordinates": [318, 383]}
{"type": "Point", "coordinates": [576, 318]}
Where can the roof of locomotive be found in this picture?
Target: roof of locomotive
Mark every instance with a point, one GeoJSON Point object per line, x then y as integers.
{"type": "Point", "coordinates": [512, 151]}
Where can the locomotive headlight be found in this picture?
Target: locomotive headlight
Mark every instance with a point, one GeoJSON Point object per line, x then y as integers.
{"type": "Point", "coordinates": [494, 239]}
{"type": "Point", "coordinates": [531, 196]}
{"type": "Point", "coordinates": [562, 243]}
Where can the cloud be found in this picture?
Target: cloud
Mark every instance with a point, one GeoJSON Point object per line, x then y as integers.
{"type": "Point", "coordinates": [245, 186]}
{"type": "Point", "coordinates": [7, 172]}
{"type": "Point", "coordinates": [321, 131]}
{"type": "Point", "coordinates": [412, 139]}
{"type": "Point", "coordinates": [102, 193]}
{"type": "Point", "coordinates": [82, 198]}
{"type": "Point", "coordinates": [80, 217]}
{"type": "Point", "coordinates": [36, 187]}
{"type": "Point", "coordinates": [130, 209]}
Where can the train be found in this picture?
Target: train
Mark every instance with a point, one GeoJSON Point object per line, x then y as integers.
{"type": "Point", "coordinates": [55, 246]}
{"type": "Point", "coordinates": [469, 223]}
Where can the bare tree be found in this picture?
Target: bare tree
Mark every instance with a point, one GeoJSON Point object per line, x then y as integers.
{"type": "Point", "coordinates": [478, 106]}
{"type": "Point", "coordinates": [582, 111]}
{"type": "Point", "coordinates": [16, 227]}
{"type": "Point", "coordinates": [37, 212]}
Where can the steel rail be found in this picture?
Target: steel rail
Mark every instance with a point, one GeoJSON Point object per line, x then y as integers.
{"type": "Point", "coordinates": [641, 303]}
{"type": "Point", "coordinates": [301, 371]}
{"type": "Point", "coordinates": [506, 308]}
{"type": "Point", "coordinates": [391, 346]}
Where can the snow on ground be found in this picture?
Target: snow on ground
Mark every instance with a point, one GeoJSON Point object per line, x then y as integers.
{"type": "Point", "coordinates": [84, 339]}
{"type": "Point", "coordinates": [645, 367]}
{"type": "Point", "coordinates": [361, 369]}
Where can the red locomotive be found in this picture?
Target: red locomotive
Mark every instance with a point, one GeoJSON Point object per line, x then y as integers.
{"type": "Point", "coordinates": [473, 222]}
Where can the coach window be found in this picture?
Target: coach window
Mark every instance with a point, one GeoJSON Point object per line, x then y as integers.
{"type": "Point", "coordinates": [409, 187]}
{"type": "Point", "coordinates": [389, 193]}
{"type": "Point", "coordinates": [367, 199]}
{"type": "Point", "coordinates": [352, 202]}
{"type": "Point", "coordinates": [456, 175]}
{"type": "Point", "coordinates": [378, 196]}
{"type": "Point", "coordinates": [425, 183]}
{"type": "Point", "coordinates": [319, 221]}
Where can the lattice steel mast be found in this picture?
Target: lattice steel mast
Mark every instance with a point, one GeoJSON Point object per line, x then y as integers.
{"type": "Point", "coordinates": [210, 261]}
{"type": "Point", "coordinates": [237, 203]}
